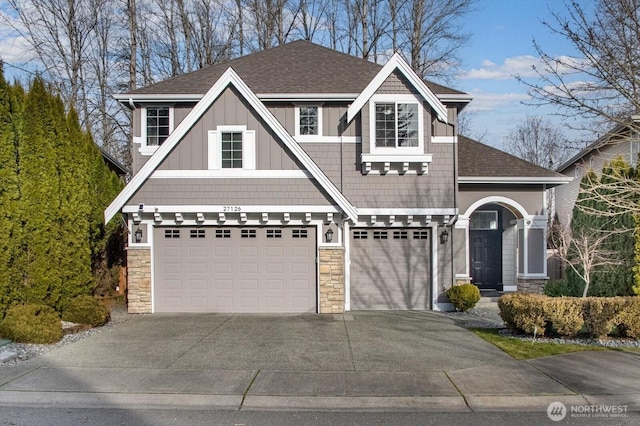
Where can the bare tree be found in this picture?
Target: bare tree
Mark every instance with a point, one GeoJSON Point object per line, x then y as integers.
{"type": "Point", "coordinates": [538, 141]}
{"type": "Point", "coordinates": [584, 250]}
{"type": "Point", "coordinates": [601, 84]}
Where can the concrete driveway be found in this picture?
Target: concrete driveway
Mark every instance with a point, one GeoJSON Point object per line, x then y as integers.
{"type": "Point", "coordinates": [363, 360]}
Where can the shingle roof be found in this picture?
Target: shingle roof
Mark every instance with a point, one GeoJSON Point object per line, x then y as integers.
{"type": "Point", "coordinates": [476, 159]}
{"type": "Point", "coordinates": [296, 67]}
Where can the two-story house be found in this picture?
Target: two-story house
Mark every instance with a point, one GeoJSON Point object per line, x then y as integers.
{"type": "Point", "coordinates": [301, 179]}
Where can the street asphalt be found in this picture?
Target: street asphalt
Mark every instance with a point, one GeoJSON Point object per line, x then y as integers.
{"type": "Point", "coordinates": [378, 361]}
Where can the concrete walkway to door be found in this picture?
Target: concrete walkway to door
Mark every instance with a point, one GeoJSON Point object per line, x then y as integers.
{"type": "Point", "coordinates": [361, 360]}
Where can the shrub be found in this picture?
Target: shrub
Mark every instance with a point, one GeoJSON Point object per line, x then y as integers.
{"type": "Point", "coordinates": [523, 313]}
{"type": "Point", "coordinates": [559, 288]}
{"type": "Point", "coordinates": [86, 310]}
{"type": "Point", "coordinates": [464, 297]}
{"type": "Point", "coordinates": [628, 319]}
{"type": "Point", "coordinates": [565, 315]}
{"type": "Point", "coordinates": [31, 324]}
{"type": "Point", "coordinates": [600, 314]}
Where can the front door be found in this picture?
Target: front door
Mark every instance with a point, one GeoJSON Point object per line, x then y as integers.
{"type": "Point", "coordinates": [486, 258]}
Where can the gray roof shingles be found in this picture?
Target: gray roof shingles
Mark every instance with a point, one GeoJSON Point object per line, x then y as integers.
{"type": "Point", "coordinates": [476, 159]}
{"type": "Point", "coordinates": [296, 67]}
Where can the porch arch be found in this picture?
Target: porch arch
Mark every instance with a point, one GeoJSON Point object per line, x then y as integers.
{"type": "Point", "coordinates": [513, 206]}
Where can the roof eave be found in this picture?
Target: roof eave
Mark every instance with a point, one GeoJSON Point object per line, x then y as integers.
{"type": "Point", "coordinates": [515, 180]}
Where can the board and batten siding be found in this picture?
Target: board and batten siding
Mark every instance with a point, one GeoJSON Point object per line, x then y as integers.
{"type": "Point", "coordinates": [530, 197]}
{"type": "Point", "coordinates": [333, 118]}
{"type": "Point", "coordinates": [246, 192]}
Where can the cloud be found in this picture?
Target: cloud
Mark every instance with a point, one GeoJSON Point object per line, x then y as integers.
{"type": "Point", "coordinates": [15, 50]}
{"type": "Point", "coordinates": [517, 65]}
{"type": "Point", "coordinates": [486, 101]}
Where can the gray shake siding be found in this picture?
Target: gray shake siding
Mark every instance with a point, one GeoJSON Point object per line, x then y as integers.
{"type": "Point", "coordinates": [432, 190]}
{"type": "Point", "coordinates": [242, 192]}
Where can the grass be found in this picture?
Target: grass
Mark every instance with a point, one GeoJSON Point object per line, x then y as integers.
{"type": "Point", "coordinates": [521, 349]}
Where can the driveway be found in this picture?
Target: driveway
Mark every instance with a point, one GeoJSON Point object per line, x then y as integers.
{"type": "Point", "coordinates": [363, 360]}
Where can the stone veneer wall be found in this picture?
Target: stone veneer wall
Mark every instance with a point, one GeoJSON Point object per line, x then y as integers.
{"type": "Point", "coordinates": [139, 280]}
{"type": "Point", "coordinates": [531, 286]}
{"type": "Point", "coordinates": [331, 280]}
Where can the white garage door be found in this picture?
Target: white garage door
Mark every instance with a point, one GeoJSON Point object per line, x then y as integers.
{"type": "Point", "coordinates": [209, 269]}
{"type": "Point", "coordinates": [390, 268]}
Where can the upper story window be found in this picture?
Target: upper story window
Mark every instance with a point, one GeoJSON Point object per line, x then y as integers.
{"type": "Point", "coordinates": [308, 121]}
{"type": "Point", "coordinates": [396, 125]}
{"type": "Point", "coordinates": [158, 126]}
{"type": "Point", "coordinates": [232, 148]}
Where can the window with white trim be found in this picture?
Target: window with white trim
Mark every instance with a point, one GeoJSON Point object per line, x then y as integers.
{"type": "Point", "coordinates": [308, 120]}
{"type": "Point", "coordinates": [157, 125]}
{"type": "Point", "coordinates": [483, 220]}
{"type": "Point", "coordinates": [396, 125]}
{"type": "Point", "coordinates": [232, 148]}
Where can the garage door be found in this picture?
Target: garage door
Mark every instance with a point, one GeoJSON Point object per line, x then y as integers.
{"type": "Point", "coordinates": [208, 269]}
{"type": "Point", "coordinates": [390, 269]}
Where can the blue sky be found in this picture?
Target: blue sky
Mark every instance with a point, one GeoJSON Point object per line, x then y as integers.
{"type": "Point", "coordinates": [501, 45]}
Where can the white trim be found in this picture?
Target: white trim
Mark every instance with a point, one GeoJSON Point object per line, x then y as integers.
{"type": "Point", "coordinates": [228, 78]}
{"type": "Point", "coordinates": [328, 139]}
{"type": "Point", "coordinates": [408, 211]}
{"type": "Point", "coordinates": [296, 113]}
{"type": "Point", "coordinates": [396, 158]}
{"type": "Point", "coordinates": [509, 288]}
{"type": "Point", "coordinates": [176, 97]}
{"type": "Point", "coordinates": [313, 97]}
{"type": "Point", "coordinates": [455, 97]}
{"type": "Point", "coordinates": [347, 265]}
{"type": "Point", "coordinates": [434, 265]}
{"type": "Point", "coordinates": [395, 99]}
{"type": "Point", "coordinates": [396, 62]}
{"type": "Point", "coordinates": [231, 174]}
{"type": "Point", "coordinates": [517, 180]}
{"type": "Point", "coordinates": [444, 139]}
{"type": "Point", "coordinates": [496, 199]}
{"type": "Point", "coordinates": [224, 209]}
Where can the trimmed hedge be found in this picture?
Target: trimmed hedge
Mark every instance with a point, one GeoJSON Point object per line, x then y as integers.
{"type": "Point", "coordinates": [31, 324]}
{"type": "Point", "coordinates": [86, 310]}
{"type": "Point", "coordinates": [464, 297]}
{"type": "Point", "coordinates": [568, 316]}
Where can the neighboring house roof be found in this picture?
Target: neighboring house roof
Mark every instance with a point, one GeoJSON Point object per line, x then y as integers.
{"type": "Point", "coordinates": [116, 166]}
{"type": "Point", "coordinates": [292, 68]}
{"type": "Point", "coordinates": [480, 163]}
{"type": "Point", "coordinates": [228, 78]}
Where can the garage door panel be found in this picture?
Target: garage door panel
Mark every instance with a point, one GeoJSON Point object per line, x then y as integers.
{"type": "Point", "coordinates": [390, 269]}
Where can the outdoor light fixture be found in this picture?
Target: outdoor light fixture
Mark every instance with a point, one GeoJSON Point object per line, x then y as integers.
{"type": "Point", "coordinates": [138, 235]}
{"type": "Point", "coordinates": [444, 237]}
{"type": "Point", "coordinates": [328, 236]}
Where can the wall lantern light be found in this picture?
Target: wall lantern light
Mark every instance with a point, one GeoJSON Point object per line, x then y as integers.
{"type": "Point", "coordinates": [138, 235]}
{"type": "Point", "coordinates": [328, 236]}
{"type": "Point", "coordinates": [444, 237]}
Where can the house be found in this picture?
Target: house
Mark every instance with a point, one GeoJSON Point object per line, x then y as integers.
{"type": "Point", "coordinates": [112, 163]}
{"type": "Point", "coordinates": [301, 179]}
{"type": "Point", "coordinates": [620, 142]}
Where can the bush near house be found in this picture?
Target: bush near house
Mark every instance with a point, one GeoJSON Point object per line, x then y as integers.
{"type": "Point", "coordinates": [463, 297]}
{"type": "Point", "coordinates": [86, 310]}
{"type": "Point", "coordinates": [569, 316]}
{"type": "Point", "coordinates": [31, 324]}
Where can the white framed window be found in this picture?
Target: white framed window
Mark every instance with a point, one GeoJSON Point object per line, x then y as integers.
{"type": "Point", "coordinates": [156, 126]}
{"type": "Point", "coordinates": [232, 148]}
{"type": "Point", "coordinates": [308, 120]}
{"type": "Point", "coordinates": [484, 220]}
{"type": "Point", "coordinates": [396, 124]}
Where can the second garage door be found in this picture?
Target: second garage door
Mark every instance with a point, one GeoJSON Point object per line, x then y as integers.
{"type": "Point", "coordinates": [390, 269]}
{"type": "Point", "coordinates": [229, 269]}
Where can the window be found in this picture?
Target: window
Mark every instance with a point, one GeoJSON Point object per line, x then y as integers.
{"type": "Point", "coordinates": [399, 235]}
{"type": "Point", "coordinates": [299, 233]}
{"type": "Point", "coordinates": [172, 233]}
{"type": "Point", "coordinates": [397, 125]}
{"type": "Point", "coordinates": [231, 150]}
{"type": "Point", "coordinates": [158, 125]}
{"type": "Point", "coordinates": [484, 220]}
{"type": "Point", "coordinates": [248, 233]}
{"type": "Point", "coordinates": [420, 235]}
{"type": "Point", "coordinates": [379, 235]}
{"type": "Point", "coordinates": [308, 120]}
{"type": "Point", "coordinates": [274, 233]}
{"type": "Point", "coordinates": [196, 233]}
{"type": "Point", "coordinates": [359, 235]}
{"type": "Point", "coordinates": [223, 233]}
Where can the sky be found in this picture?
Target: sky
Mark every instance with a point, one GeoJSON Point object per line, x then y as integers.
{"type": "Point", "coordinates": [501, 46]}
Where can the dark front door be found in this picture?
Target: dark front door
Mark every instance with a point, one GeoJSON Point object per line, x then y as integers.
{"type": "Point", "coordinates": [486, 258]}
